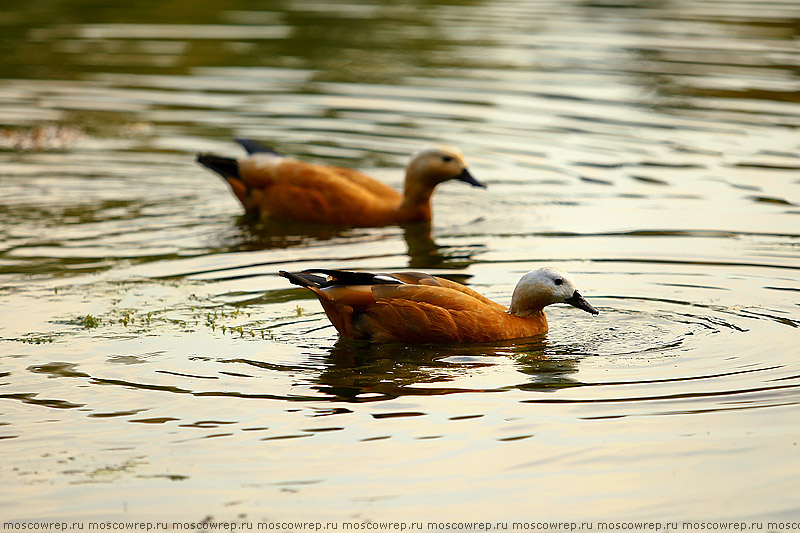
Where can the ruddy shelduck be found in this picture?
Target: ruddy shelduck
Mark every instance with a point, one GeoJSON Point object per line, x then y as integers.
{"type": "Point", "coordinates": [417, 307]}
{"type": "Point", "coordinates": [271, 185]}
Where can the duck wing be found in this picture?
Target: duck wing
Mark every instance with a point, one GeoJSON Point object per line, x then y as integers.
{"type": "Point", "coordinates": [379, 189]}
{"type": "Point", "coordinates": [408, 307]}
{"type": "Point", "coordinates": [286, 188]}
{"type": "Point", "coordinates": [432, 313]}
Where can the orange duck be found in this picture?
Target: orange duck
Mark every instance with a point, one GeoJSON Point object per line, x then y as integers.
{"type": "Point", "coordinates": [417, 307]}
{"type": "Point", "coordinates": [271, 185]}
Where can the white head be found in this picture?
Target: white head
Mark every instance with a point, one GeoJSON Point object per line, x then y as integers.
{"type": "Point", "coordinates": [545, 286]}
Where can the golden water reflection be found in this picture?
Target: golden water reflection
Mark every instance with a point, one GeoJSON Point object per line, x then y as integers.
{"type": "Point", "coordinates": [155, 365]}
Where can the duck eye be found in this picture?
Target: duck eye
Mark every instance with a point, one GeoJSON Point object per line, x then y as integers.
{"type": "Point", "coordinates": [447, 158]}
{"type": "Point", "coordinates": [558, 281]}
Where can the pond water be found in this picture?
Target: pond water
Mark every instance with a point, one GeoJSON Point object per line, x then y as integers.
{"type": "Point", "coordinates": [154, 365]}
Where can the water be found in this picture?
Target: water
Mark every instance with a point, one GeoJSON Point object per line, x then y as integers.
{"type": "Point", "coordinates": [649, 149]}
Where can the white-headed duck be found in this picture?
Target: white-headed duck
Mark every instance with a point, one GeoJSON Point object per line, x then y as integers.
{"type": "Point", "coordinates": [417, 307]}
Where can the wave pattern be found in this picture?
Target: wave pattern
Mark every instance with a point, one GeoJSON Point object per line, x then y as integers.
{"type": "Point", "coordinates": [650, 149]}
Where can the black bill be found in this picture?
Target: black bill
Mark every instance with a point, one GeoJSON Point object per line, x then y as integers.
{"type": "Point", "coordinates": [580, 302]}
{"type": "Point", "coordinates": [466, 177]}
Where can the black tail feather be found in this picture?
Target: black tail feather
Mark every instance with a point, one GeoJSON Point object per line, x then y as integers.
{"type": "Point", "coordinates": [254, 147]}
{"type": "Point", "coordinates": [336, 278]}
{"type": "Point", "coordinates": [348, 277]}
{"type": "Point", "coordinates": [303, 279]}
{"type": "Point", "coordinates": [224, 166]}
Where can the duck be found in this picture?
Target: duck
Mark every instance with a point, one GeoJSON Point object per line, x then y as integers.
{"type": "Point", "coordinates": [415, 307]}
{"type": "Point", "coordinates": [271, 185]}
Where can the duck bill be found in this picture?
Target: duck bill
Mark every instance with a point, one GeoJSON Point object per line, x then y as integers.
{"type": "Point", "coordinates": [466, 177]}
{"type": "Point", "coordinates": [576, 300]}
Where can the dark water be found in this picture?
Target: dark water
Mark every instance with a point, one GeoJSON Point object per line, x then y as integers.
{"type": "Point", "coordinates": [651, 149]}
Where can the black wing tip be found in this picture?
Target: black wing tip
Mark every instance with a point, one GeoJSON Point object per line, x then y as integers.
{"type": "Point", "coordinates": [255, 147]}
{"type": "Point", "coordinates": [303, 279]}
{"type": "Point", "coordinates": [336, 278]}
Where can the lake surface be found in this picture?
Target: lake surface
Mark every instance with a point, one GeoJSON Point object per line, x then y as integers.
{"type": "Point", "coordinates": [155, 366]}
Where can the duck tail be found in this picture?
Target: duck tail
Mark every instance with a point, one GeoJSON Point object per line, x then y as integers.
{"type": "Point", "coordinates": [224, 166]}
{"type": "Point", "coordinates": [304, 279]}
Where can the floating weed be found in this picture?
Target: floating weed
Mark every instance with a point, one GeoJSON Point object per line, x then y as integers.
{"type": "Point", "coordinates": [44, 339]}
{"type": "Point", "coordinates": [88, 321]}
{"type": "Point", "coordinates": [188, 319]}
{"type": "Point", "coordinates": [115, 470]}
{"type": "Point", "coordinates": [127, 317]}
{"type": "Point", "coordinates": [215, 318]}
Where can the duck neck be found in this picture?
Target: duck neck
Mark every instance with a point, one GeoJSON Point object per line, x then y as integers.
{"type": "Point", "coordinates": [529, 324]}
{"type": "Point", "coordinates": [526, 312]}
{"type": "Point", "coordinates": [528, 299]}
{"type": "Point", "coordinates": [416, 204]}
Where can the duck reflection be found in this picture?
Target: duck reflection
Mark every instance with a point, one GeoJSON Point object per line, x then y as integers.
{"type": "Point", "coordinates": [250, 234]}
{"type": "Point", "coordinates": [423, 252]}
{"type": "Point", "coordinates": [359, 371]}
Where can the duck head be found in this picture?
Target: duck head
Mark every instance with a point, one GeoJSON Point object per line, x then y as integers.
{"type": "Point", "coordinates": [545, 286]}
{"type": "Point", "coordinates": [438, 164]}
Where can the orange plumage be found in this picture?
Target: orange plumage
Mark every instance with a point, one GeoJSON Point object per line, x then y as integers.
{"type": "Point", "coordinates": [416, 307]}
{"type": "Point", "coordinates": [270, 185]}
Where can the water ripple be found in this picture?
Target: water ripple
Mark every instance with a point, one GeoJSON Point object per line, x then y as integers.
{"type": "Point", "coordinates": [649, 149]}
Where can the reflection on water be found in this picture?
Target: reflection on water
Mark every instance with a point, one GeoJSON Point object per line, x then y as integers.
{"type": "Point", "coordinates": [357, 371]}
{"type": "Point", "coordinates": [148, 344]}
